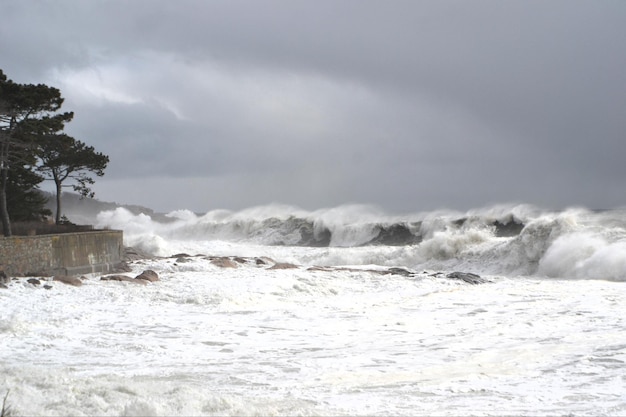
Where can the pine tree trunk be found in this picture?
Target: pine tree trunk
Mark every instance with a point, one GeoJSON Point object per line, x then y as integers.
{"type": "Point", "coordinates": [4, 210]}
{"type": "Point", "coordinates": [58, 214]}
{"type": "Point", "coordinates": [4, 175]}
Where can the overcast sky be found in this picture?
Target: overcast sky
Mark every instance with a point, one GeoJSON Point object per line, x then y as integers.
{"type": "Point", "coordinates": [407, 105]}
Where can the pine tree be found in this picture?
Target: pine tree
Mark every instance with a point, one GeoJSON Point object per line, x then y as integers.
{"type": "Point", "coordinates": [62, 157]}
{"type": "Point", "coordinates": [33, 148]}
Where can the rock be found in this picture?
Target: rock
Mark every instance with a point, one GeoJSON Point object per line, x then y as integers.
{"type": "Point", "coordinates": [3, 278]}
{"type": "Point", "coordinates": [223, 263]}
{"type": "Point", "coordinates": [148, 275]}
{"type": "Point", "coordinates": [69, 280]}
{"type": "Point", "coordinates": [320, 268]}
{"type": "Point", "coordinates": [264, 260]}
{"type": "Point", "coordinates": [400, 271]}
{"type": "Point", "coordinates": [467, 277]}
{"type": "Point", "coordinates": [33, 281]}
{"type": "Point", "coordinates": [47, 287]}
{"type": "Point", "coordinates": [122, 267]}
{"type": "Point", "coordinates": [124, 278]}
{"type": "Point", "coordinates": [116, 278]}
{"type": "Point", "coordinates": [283, 265]}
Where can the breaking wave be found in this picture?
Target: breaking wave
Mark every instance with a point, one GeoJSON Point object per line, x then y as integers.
{"type": "Point", "coordinates": [506, 240]}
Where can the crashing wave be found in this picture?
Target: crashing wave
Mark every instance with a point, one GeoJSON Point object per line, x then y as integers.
{"type": "Point", "coordinates": [516, 240]}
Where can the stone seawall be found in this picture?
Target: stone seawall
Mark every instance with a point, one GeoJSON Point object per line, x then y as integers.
{"type": "Point", "coordinates": [61, 254]}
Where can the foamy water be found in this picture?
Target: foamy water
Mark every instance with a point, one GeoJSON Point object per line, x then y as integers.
{"type": "Point", "coordinates": [250, 340]}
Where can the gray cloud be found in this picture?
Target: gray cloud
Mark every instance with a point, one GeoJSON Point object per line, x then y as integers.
{"type": "Point", "coordinates": [406, 105]}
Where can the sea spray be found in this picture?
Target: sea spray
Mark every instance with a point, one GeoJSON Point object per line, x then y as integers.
{"type": "Point", "coordinates": [509, 240]}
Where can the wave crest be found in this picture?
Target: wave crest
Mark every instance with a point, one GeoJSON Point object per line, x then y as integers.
{"type": "Point", "coordinates": [519, 240]}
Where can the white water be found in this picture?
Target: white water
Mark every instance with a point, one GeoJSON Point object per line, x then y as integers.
{"type": "Point", "coordinates": [206, 340]}
{"type": "Point", "coordinates": [575, 243]}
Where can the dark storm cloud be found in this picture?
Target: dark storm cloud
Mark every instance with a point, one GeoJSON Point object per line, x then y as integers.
{"type": "Point", "coordinates": [407, 105]}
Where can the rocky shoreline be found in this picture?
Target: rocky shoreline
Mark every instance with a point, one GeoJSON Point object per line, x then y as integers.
{"type": "Point", "coordinates": [148, 276]}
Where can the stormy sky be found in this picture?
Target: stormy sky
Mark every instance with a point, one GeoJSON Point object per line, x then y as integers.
{"type": "Point", "coordinates": [407, 105]}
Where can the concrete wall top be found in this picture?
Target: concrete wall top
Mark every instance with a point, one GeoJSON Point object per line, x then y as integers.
{"type": "Point", "coordinates": [79, 252]}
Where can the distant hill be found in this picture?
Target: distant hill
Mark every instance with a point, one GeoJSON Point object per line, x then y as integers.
{"type": "Point", "coordinates": [84, 210]}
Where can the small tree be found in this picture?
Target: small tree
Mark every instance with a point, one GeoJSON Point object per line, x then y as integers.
{"type": "Point", "coordinates": [62, 157]}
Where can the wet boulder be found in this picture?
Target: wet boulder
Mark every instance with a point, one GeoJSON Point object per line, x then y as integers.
{"type": "Point", "coordinates": [223, 263]}
{"type": "Point", "coordinates": [400, 271]}
{"type": "Point", "coordinates": [467, 277]}
{"type": "Point", "coordinates": [124, 278]}
{"type": "Point", "coordinates": [148, 275]}
{"type": "Point", "coordinates": [68, 280]}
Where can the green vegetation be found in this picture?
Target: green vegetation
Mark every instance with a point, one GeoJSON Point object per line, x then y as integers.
{"type": "Point", "coordinates": [34, 148]}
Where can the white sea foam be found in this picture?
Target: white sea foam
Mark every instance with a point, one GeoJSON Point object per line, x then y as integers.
{"type": "Point", "coordinates": [544, 337]}
{"type": "Point", "coordinates": [254, 341]}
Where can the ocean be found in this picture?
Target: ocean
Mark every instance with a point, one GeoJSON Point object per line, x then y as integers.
{"type": "Point", "coordinates": [346, 311]}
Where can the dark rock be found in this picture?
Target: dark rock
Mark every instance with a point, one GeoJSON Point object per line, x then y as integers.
{"type": "Point", "coordinates": [400, 271]}
{"type": "Point", "coordinates": [240, 260]}
{"type": "Point", "coordinates": [115, 278]}
{"type": "Point", "coordinates": [124, 278]}
{"type": "Point", "coordinates": [3, 278]}
{"type": "Point", "coordinates": [467, 277]}
{"type": "Point", "coordinates": [47, 287]}
{"type": "Point", "coordinates": [264, 261]}
{"type": "Point", "coordinates": [122, 267]}
{"type": "Point", "coordinates": [182, 260]}
{"type": "Point", "coordinates": [148, 275]}
{"type": "Point", "coordinates": [33, 281]}
{"type": "Point", "coordinates": [69, 280]}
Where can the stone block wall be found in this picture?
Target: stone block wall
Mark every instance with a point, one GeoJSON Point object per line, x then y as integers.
{"type": "Point", "coordinates": [61, 254]}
